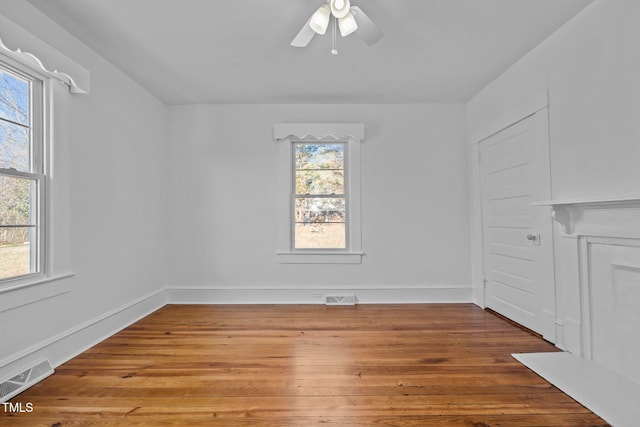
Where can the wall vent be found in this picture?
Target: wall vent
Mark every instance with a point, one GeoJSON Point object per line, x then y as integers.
{"type": "Point", "coordinates": [340, 300]}
{"type": "Point", "coordinates": [24, 380]}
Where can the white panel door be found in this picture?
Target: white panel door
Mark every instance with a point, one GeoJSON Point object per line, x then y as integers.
{"type": "Point", "coordinates": [518, 250]}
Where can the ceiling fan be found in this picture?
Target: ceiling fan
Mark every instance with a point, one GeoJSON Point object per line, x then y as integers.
{"type": "Point", "coordinates": [347, 18]}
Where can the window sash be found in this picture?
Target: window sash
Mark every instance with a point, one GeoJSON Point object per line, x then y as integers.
{"type": "Point", "coordinates": [320, 196]}
{"type": "Point", "coordinates": [295, 195]}
{"type": "Point", "coordinates": [36, 117]}
{"type": "Point", "coordinates": [36, 175]}
{"type": "Point", "coordinates": [35, 225]}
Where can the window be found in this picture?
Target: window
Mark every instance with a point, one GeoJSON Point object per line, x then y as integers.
{"type": "Point", "coordinates": [22, 179]}
{"type": "Point", "coordinates": [35, 167]}
{"type": "Point", "coordinates": [319, 201]}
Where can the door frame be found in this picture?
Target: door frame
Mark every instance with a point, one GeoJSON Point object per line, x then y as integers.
{"type": "Point", "coordinates": [536, 105]}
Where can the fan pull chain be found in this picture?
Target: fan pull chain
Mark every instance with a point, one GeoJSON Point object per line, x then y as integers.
{"type": "Point", "coordinates": [334, 51]}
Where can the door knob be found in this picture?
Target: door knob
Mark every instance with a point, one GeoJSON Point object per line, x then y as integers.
{"type": "Point", "coordinates": [534, 238]}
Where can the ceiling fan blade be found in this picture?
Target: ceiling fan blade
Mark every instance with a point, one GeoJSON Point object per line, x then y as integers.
{"type": "Point", "coordinates": [304, 36]}
{"type": "Point", "coordinates": [367, 30]}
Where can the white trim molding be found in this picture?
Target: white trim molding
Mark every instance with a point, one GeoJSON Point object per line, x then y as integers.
{"type": "Point", "coordinates": [26, 49]}
{"type": "Point", "coordinates": [610, 217]}
{"type": "Point", "coordinates": [320, 257]}
{"type": "Point", "coordinates": [352, 134]}
{"type": "Point", "coordinates": [21, 293]}
{"type": "Point", "coordinates": [530, 107]}
{"type": "Point", "coordinates": [30, 60]}
{"type": "Point", "coordinates": [70, 343]}
{"type": "Point", "coordinates": [299, 295]}
{"type": "Point", "coordinates": [319, 131]}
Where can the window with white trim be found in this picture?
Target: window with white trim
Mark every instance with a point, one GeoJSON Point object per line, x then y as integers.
{"type": "Point", "coordinates": [22, 174]}
{"type": "Point", "coordinates": [319, 197]}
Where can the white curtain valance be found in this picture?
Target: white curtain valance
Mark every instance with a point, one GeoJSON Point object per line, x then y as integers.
{"type": "Point", "coordinates": [24, 48]}
{"type": "Point", "coordinates": [319, 131]}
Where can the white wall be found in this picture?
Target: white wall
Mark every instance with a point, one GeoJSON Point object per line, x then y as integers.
{"type": "Point", "coordinates": [590, 68]}
{"type": "Point", "coordinates": [223, 184]}
{"type": "Point", "coordinates": [117, 209]}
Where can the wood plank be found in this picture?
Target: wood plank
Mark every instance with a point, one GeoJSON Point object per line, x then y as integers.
{"type": "Point", "coordinates": [401, 365]}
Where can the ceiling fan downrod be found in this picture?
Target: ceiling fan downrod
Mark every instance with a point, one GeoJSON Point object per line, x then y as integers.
{"type": "Point", "coordinates": [334, 51]}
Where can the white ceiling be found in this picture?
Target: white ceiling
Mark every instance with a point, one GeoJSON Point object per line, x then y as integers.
{"type": "Point", "coordinates": [215, 51]}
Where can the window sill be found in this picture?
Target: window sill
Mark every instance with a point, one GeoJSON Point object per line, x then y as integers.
{"type": "Point", "coordinates": [28, 290]}
{"type": "Point", "coordinates": [320, 257]}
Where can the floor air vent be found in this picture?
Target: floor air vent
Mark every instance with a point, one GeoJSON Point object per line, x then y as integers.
{"type": "Point", "coordinates": [24, 380]}
{"type": "Point", "coordinates": [340, 300]}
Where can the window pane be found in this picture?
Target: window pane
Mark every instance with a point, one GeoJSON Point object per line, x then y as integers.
{"type": "Point", "coordinates": [14, 98]}
{"type": "Point", "coordinates": [320, 223]}
{"type": "Point", "coordinates": [319, 210]}
{"type": "Point", "coordinates": [16, 254]}
{"type": "Point", "coordinates": [319, 182]}
{"type": "Point", "coordinates": [16, 197]}
{"type": "Point", "coordinates": [14, 147]}
{"type": "Point", "coordinates": [319, 156]}
{"type": "Point", "coordinates": [320, 236]}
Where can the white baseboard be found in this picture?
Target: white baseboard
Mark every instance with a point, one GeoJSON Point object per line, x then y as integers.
{"type": "Point", "coordinates": [478, 296]}
{"type": "Point", "coordinates": [391, 295]}
{"type": "Point", "coordinates": [68, 344]}
{"type": "Point", "coordinates": [572, 336]}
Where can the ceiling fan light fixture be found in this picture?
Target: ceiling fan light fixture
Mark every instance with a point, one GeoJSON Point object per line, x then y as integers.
{"type": "Point", "coordinates": [344, 16]}
{"type": "Point", "coordinates": [320, 19]}
{"type": "Point", "coordinates": [347, 25]}
{"type": "Point", "coordinates": [340, 8]}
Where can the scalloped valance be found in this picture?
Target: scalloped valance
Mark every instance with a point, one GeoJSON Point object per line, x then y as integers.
{"type": "Point", "coordinates": [319, 131]}
{"type": "Point", "coordinates": [30, 51]}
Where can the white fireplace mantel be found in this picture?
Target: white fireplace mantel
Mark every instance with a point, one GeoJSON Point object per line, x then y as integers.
{"type": "Point", "coordinates": [597, 298]}
{"type": "Point", "coordinates": [611, 217]}
{"type": "Point", "coordinates": [600, 235]}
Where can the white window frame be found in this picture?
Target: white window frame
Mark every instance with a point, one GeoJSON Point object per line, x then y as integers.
{"type": "Point", "coordinates": [37, 173]}
{"type": "Point", "coordinates": [21, 50]}
{"type": "Point", "coordinates": [287, 135]}
{"type": "Point", "coordinates": [345, 194]}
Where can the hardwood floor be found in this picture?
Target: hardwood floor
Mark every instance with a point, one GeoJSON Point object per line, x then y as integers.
{"type": "Point", "coordinates": [441, 365]}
